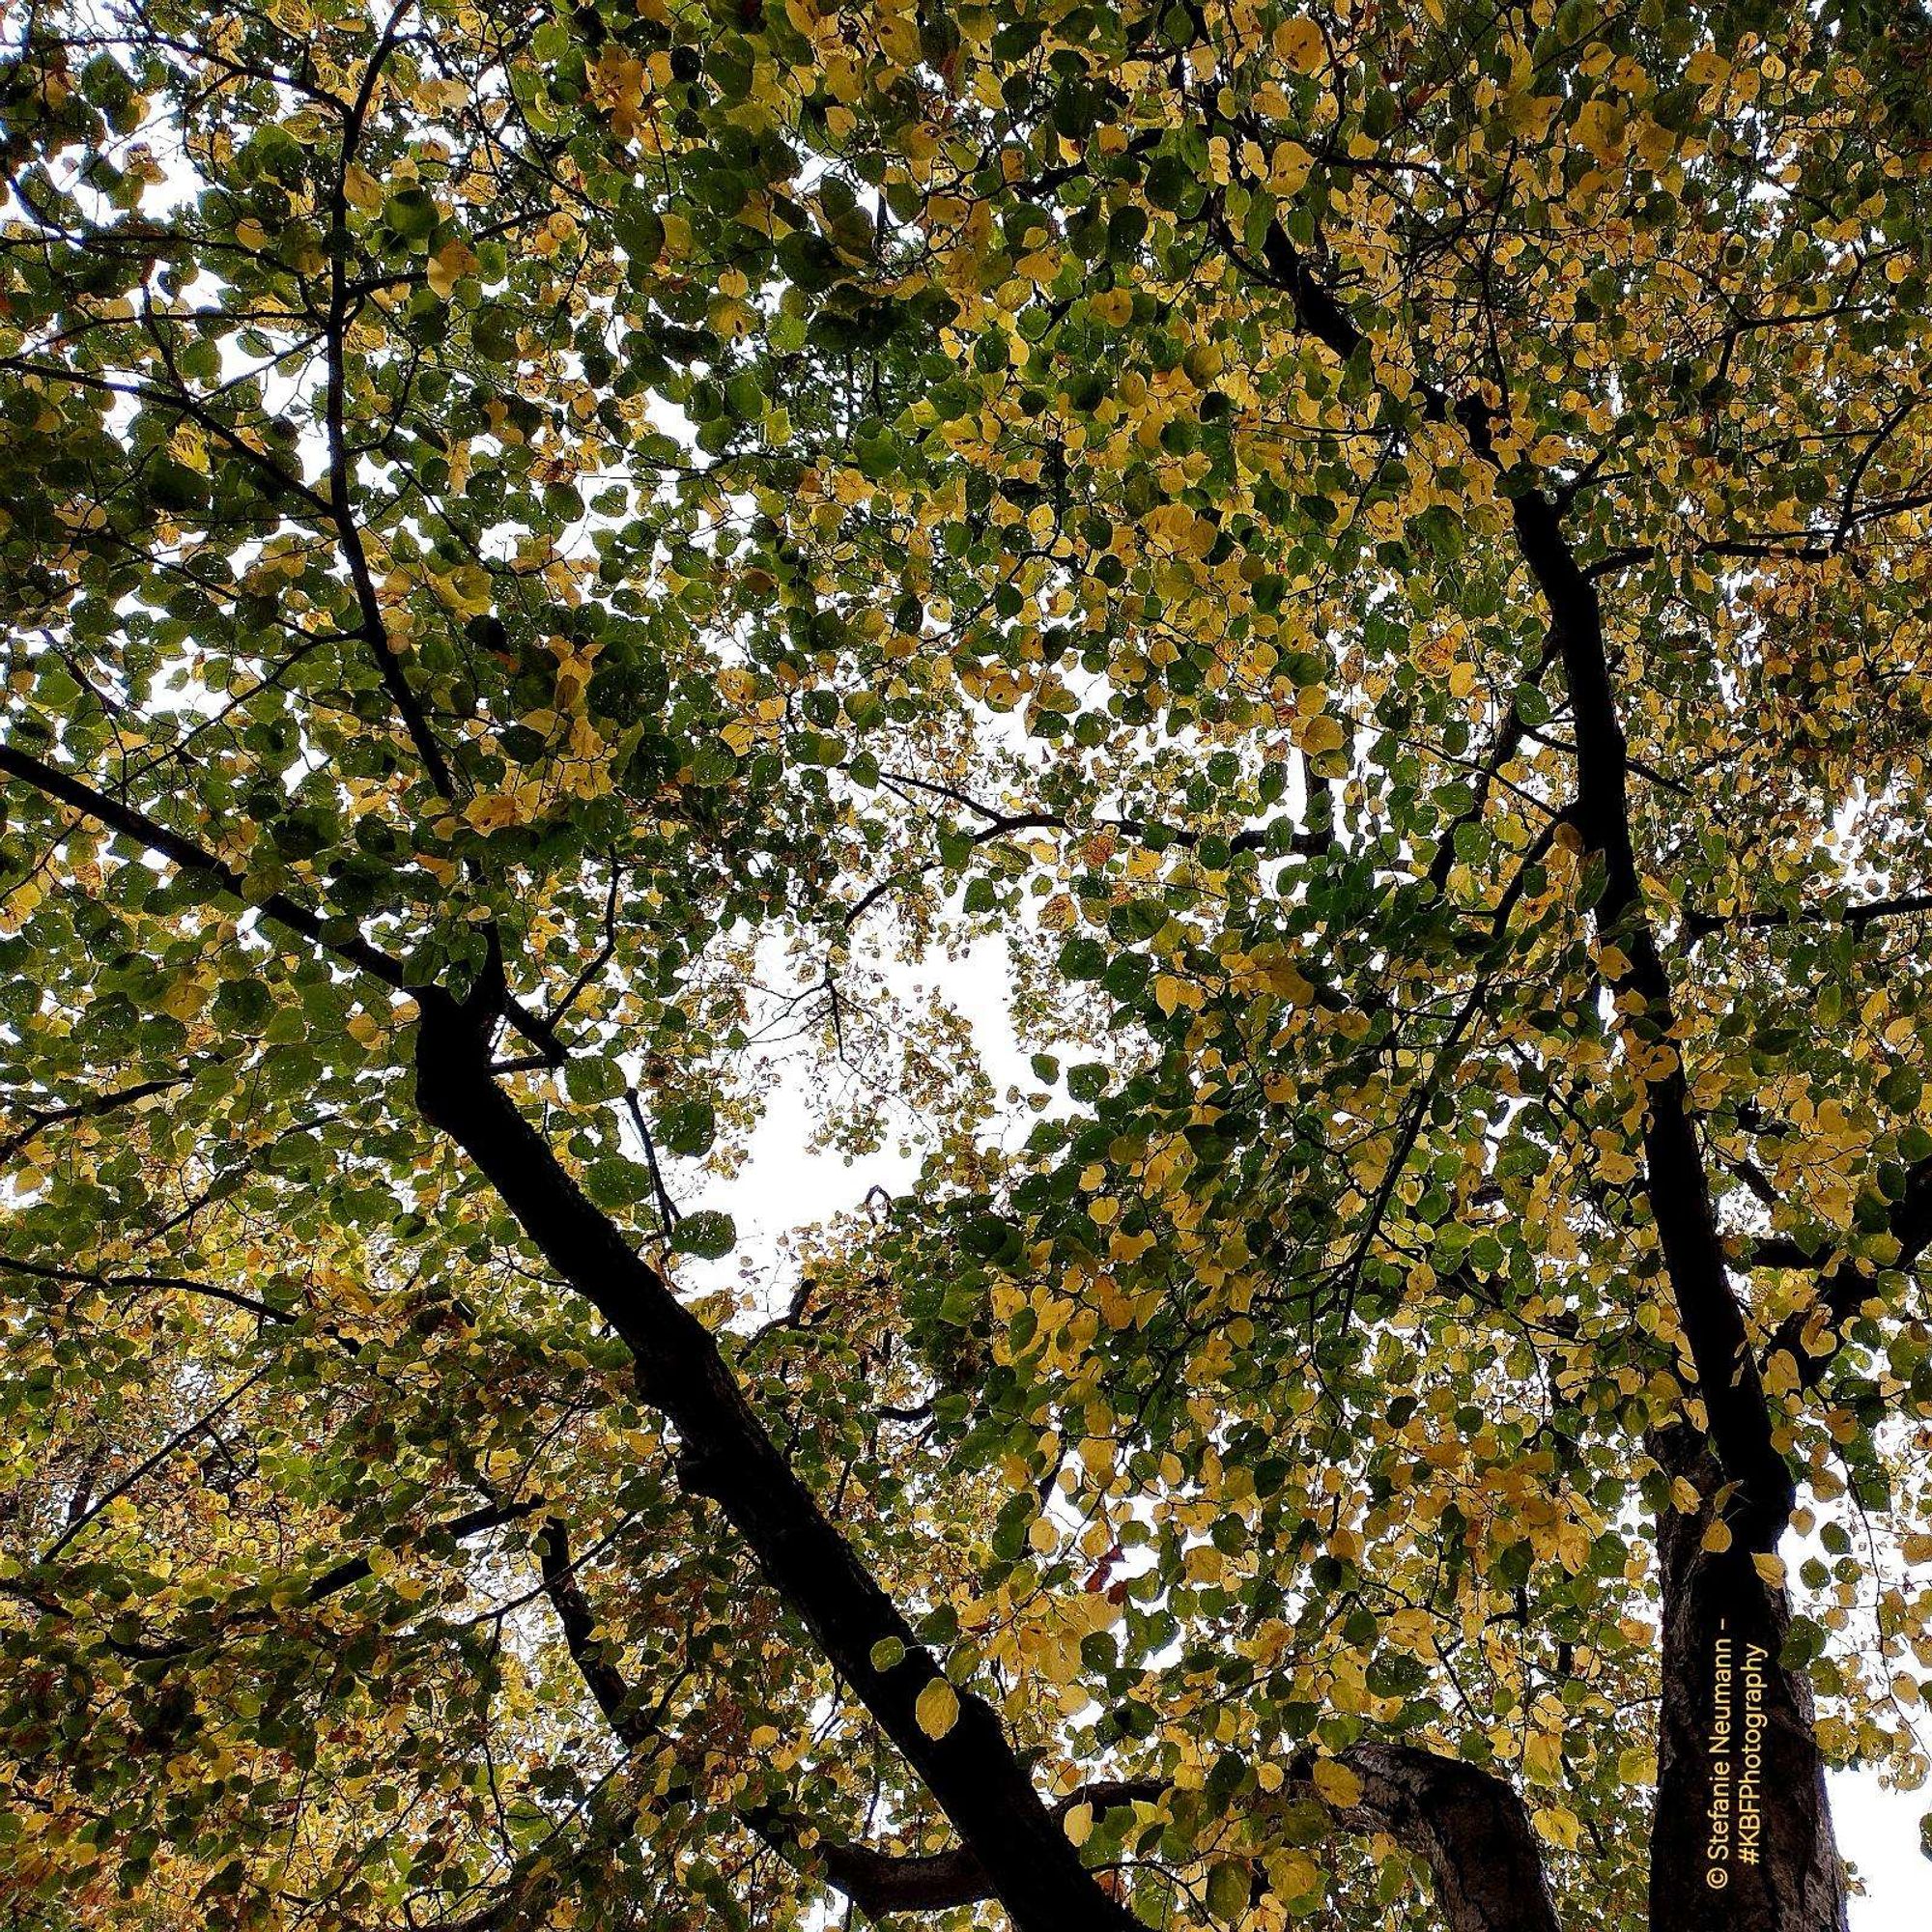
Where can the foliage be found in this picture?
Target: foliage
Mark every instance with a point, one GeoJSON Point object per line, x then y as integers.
{"type": "Point", "coordinates": [1382, 554]}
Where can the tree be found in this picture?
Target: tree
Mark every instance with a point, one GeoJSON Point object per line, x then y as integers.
{"type": "Point", "coordinates": [552, 557]}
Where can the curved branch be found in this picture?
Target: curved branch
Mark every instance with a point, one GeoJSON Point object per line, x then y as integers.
{"type": "Point", "coordinates": [1678, 1189]}
{"type": "Point", "coordinates": [1468, 1827]}
{"type": "Point", "coordinates": [1843, 1287]}
{"type": "Point", "coordinates": [338, 937]}
{"type": "Point", "coordinates": [79, 795]}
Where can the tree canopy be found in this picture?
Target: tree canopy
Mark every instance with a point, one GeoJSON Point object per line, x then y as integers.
{"type": "Point", "coordinates": [556, 559]}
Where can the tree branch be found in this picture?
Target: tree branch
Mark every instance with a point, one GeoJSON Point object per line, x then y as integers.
{"type": "Point", "coordinates": [1843, 1289]}
{"type": "Point", "coordinates": [1469, 1827]}
{"type": "Point", "coordinates": [972, 1771]}
{"type": "Point", "coordinates": [1676, 1182]}
{"type": "Point", "coordinates": [1679, 1190]}
{"type": "Point", "coordinates": [349, 946]}
{"type": "Point", "coordinates": [337, 937]}
{"type": "Point", "coordinates": [375, 632]}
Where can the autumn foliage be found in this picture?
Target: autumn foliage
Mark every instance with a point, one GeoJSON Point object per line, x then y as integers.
{"type": "Point", "coordinates": [1365, 567]}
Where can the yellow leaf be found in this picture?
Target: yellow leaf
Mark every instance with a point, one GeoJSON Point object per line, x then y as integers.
{"type": "Point", "coordinates": [1292, 985]}
{"type": "Point", "coordinates": [251, 235]}
{"type": "Point", "coordinates": [1338, 1785]}
{"type": "Point", "coordinates": [1717, 1539]}
{"type": "Point", "coordinates": [1319, 734]}
{"type": "Point", "coordinates": [1530, 114]}
{"type": "Point", "coordinates": [184, 999]}
{"type": "Point", "coordinates": [1287, 168]}
{"type": "Point", "coordinates": [1542, 1757]}
{"type": "Point", "coordinates": [1293, 1875]}
{"type": "Point", "coordinates": [448, 266]}
{"type": "Point", "coordinates": [1170, 993]}
{"type": "Point", "coordinates": [1558, 1826]}
{"type": "Point", "coordinates": [490, 811]}
{"type": "Point", "coordinates": [937, 1709]}
{"type": "Point", "coordinates": [1300, 42]}
{"type": "Point", "coordinates": [1771, 1569]}
{"type": "Point", "coordinates": [1572, 1546]}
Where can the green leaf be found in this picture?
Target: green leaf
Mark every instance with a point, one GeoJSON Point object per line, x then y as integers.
{"type": "Point", "coordinates": [1228, 1886]}
{"type": "Point", "coordinates": [1082, 958]}
{"type": "Point", "coordinates": [688, 1128]}
{"type": "Point", "coordinates": [411, 213]}
{"type": "Point", "coordinates": [708, 1234]}
{"type": "Point", "coordinates": [617, 1181]}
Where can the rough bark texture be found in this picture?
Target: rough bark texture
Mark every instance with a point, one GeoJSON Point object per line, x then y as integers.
{"type": "Point", "coordinates": [972, 1772]}
{"type": "Point", "coordinates": [1786, 1877]}
{"type": "Point", "coordinates": [1468, 1826]}
{"type": "Point", "coordinates": [1472, 1830]}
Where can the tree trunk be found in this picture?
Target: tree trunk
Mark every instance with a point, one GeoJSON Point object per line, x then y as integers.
{"type": "Point", "coordinates": [1742, 1839]}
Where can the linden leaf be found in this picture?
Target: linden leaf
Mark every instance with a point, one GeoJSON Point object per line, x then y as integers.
{"type": "Point", "coordinates": [1339, 1786]}
{"type": "Point", "coordinates": [1560, 1825]}
{"type": "Point", "coordinates": [448, 266]}
{"type": "Point", "coordinates": [708, 1234]}
{"type": "Point", "coordinates": [937, 1708]}
{"type": "Point", "coordinates": [1300, 42]}
{"type": "Point", "coordinates": [1228, 1889]}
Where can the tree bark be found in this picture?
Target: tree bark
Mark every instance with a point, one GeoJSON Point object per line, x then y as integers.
{"type": "Point", "coordinates": [1469, 1827]}
{"type": "Point", "coordinates": [1797, 1880]}
{"type": "Point", "coordinates": [1742, 1839]}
